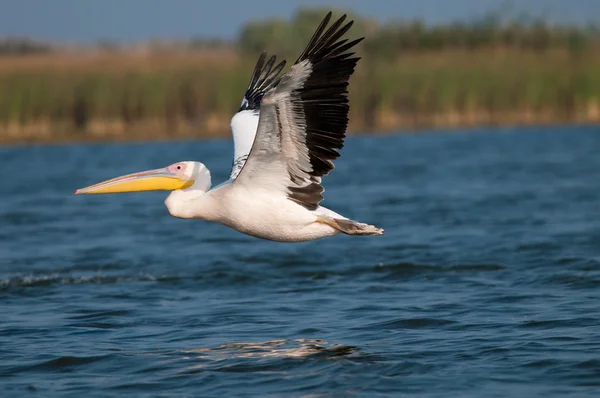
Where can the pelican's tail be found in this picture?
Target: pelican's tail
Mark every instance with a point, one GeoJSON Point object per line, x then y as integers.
{"type": "Point", "coordinates": [350, 227]}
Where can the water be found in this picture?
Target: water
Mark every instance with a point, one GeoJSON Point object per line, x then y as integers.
{"type": "Point", "coordinates": [487, 282]}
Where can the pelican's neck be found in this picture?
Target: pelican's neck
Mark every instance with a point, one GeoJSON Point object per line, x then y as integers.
{"type": "Point", "coordinates": [187, 203]}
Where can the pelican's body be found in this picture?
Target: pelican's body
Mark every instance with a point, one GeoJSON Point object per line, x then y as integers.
{"type": "Point", "coordinates": [286, 136]}
{"type": "Point", "coordinates": [252, 212]}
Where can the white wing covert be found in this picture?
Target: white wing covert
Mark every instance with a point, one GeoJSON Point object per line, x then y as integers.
{"type": "Point", "coordinates": [245, 122]}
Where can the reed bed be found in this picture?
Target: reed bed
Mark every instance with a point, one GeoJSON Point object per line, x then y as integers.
{"type": "Point", "coordinates": [118, 95]}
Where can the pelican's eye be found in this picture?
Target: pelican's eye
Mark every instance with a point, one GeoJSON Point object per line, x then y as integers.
{"type": "Point", "coordinates": [177, 168]}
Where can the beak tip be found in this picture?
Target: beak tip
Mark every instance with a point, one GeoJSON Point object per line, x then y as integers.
{"type": "Point", "coordinates": [76, 192]}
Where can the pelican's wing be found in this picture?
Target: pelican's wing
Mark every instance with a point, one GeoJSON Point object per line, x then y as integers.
{"type": "Point", "coordinates": [244, 123]}
{"type": "Point", "coordinates": [303, 120]}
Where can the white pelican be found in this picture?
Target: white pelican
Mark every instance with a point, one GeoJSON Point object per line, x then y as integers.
{"type": "Point", "coordinates": [296, 123]}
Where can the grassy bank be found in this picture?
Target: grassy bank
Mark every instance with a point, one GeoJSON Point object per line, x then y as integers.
{"type": "Point", "coordinates": [119, 95]}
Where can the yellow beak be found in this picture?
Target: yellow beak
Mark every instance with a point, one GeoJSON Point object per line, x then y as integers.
{"type": "Point", "coordinates": [151, 180]}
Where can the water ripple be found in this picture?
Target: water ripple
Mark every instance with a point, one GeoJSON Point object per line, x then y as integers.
{"type": "Point", "coordinates": [485, 284]}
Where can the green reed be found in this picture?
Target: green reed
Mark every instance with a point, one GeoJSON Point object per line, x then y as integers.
{"type": "Point", "coordinates": [186, 94]}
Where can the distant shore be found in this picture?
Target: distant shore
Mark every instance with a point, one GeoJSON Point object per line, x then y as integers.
{"type": "Point", "coordinates": [219, 128]}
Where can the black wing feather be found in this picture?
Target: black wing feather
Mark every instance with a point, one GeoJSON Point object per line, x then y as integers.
{"type": "Point", "coordinates": [324, 102]}
{"type": "Point", "coordinates": [264, 77]}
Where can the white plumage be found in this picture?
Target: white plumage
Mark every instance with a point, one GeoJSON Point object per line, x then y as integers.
{"type": "Point", "coordinates": [243, 126]}
{"type": "Point", "coordinates": [287, 134]}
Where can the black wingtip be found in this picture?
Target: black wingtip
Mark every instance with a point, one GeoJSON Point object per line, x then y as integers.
{"type": "Point", "coordinates": [263, 78]}
{"type": "Point", "coordinates": [327, 43]}
{"type": "Point", "coordinates": [257, 68]}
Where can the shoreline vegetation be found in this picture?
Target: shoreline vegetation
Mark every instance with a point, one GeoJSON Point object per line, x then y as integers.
{"type": "Point", "coordinates": [411, 77]}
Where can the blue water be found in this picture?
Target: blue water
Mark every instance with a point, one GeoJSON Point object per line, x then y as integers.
{"type": "Point", "coordinates": [486, 283]}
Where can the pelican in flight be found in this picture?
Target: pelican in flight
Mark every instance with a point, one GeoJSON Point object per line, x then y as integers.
{"type": "Point", "coordinates": [286, 133]}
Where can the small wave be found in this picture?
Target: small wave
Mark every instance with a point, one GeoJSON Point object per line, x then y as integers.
{"type": "Point", "coordinates": [410, 269]}
{"type": "Point", "coordinates": [93, 315]}
{"type": "Point", "coordinates": [558, 323]}
{"type": "Point", "coordinates": [589, 364]}
{"type": "Point", "coordinates": [577, 280]}
{"type": "Point", "coordinates": [36, 280]}
{"type": "Point", "coordinates": [542, 363]}
{"type": "Point", "coordinates": [411, 323]}
{"type": "Point", "coordinates": [542, 247]}
{"type": "Point", "coordinates": [62, 363]}
{"type": "Point", "coordinates": [398, 270]}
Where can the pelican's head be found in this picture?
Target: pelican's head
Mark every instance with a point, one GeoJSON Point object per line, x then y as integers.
{"type": "Point", "coordinates": [181, 175]}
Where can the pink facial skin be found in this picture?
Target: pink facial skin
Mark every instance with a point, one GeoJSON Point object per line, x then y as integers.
{"type": "Point", "coordinates": [177, 168]}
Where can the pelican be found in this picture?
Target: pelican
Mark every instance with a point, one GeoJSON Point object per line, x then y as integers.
{"type": "Point", "coordinates": [287, 134]}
